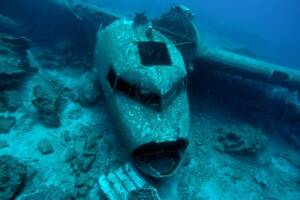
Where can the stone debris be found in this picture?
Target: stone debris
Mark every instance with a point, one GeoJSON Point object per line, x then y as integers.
{"type": "Point", "coordinates": [83, 184]}
{"type": "Point", "coordinates": [47, 104]}
{"type": "Point", "coordinates": [81, 157]}
{"type": "Point", "coordinates": [12, 177]}
{"type": "Point", "coordinates": [51, 193]}
{"type": "Point", "coordinates": [45, 147]}
{"type": "Point", "coordinates": [66, 136]}
{"type": "Point", "coordinates": [3, 144]}
{"type": "Point", "coordinates": [14, 64]}
{"type": "Point", "coordinates": [241, 139]}
{"type": "Point", "coordinates": [10, 100]}
{"type": "Point", "coordinates": [89, 92]}
{"type": "Point", "coordinates": [6, 123]}
{"type": "Point", "coordinates": [147, 193]}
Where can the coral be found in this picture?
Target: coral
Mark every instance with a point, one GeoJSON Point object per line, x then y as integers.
{"type": "Point", "coordinates": [12, 177]}
{"type": "Point", "coordinates": [240, 138]}
{"type": "Point", "coordinates": [89, 91]}
{"type": "Point", "coordinates": [45, 146]}
{"type": "Point", "coordinates": [6, 123]}
{"type": "Point", "coordinates": [47, 104]}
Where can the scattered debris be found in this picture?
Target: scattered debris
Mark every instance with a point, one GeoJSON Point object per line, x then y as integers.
{"type": "Point", "coordinates": [66, 136]}
{"type": "Point", "coordinates": [261, 178]}
{"type": "Point", "coordinates": [83, 184]}
{"type": "Point", "coordinates": [45, 147]}
{"type": "Point", "coordinates": [82, 159]}
{"type": "Point", "coordinates": [14, 64]}
{"type": "Point", "coordinates": [75, 114]}
{"type": "Point", "coordinates": [147, 193]}
{"type": "Point", "coordinates": [88, 92]}
{"type": "Point", "coordinates": [60, 58]}
{"type": "Point", "coordinates": [6, 123]}
{"type": "Point", "coordinates": [52, 193]}
{"type": "Point", "coordinates": [241, 139]}
{"type": "Point", "coordinates": [12, 177]}
{"type": "Point", "coordinates": [49, 60]}
{"type": "Point", "coordinates": [47, 102]}
{"type": "Point", "coordinates": [3, 144]}
{"type": "Point", "coordinates": [10, 100]}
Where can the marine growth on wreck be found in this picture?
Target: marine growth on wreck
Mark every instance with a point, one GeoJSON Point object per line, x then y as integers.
{"type": "Point", "coordinates": [99, 104]}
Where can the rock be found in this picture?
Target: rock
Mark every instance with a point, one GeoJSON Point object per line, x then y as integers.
{"type": "Point", "coordinates": [75, 114]}
{"type": "Point", "coordinates": [51, 193]}
{"type": "Point", "coordinates": [66, 136]}
{"type": "Point", "coordinates": [12, 177]}
{"type": "Point", "coordinates": [10, 101]}
{"type": "Point", "coordinates": [13, 100]}
{"type": "Point", "coordinates": [3, 144]}
{"type": "Point", "coordinates": [46, 102]}
{"type": "Point", "coordinates": [89, 92]}
{"type": "Point", "coordinates": [45, 147]}
{"type": "Point", "coordinates": [241, 139]}
{"type": "Point", "coordinates": [3, 106]}
{"type": "Point", "coordinates": [50, 60]}
{"type": "Point", "coordinates": [6, 123]}
{"type": "Point", "coordinates": [14, 64]}
{"type": "Point", "coordinates": [82, 158]}
{"type": "Point", "coordinates": [146, 193]}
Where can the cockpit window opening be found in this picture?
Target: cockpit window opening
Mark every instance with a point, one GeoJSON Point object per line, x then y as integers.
{"type": "Point", "coordinates": [141, 94]}
{"type": "Point", "coordinates": [171, 94]}
{"type": "Point", "coordinates": [111, 78]}
{"type": "Point", "coordinates": [154, 53]}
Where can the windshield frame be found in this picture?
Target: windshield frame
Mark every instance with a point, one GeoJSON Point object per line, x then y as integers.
{"type": "Point", "coordinates": [144, 95]}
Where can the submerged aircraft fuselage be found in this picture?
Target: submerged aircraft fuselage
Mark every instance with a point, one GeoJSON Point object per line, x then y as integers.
{"type": "Point", "coordinates": [143, 77]}
{"type": "Point", "coordinates": [142, 71]}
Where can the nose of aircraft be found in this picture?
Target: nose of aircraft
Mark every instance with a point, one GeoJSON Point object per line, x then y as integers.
{"type": "Point", "coordinates": [160, 160]}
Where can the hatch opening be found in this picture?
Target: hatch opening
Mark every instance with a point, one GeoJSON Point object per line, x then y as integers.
{"type": "Point", "coordinates": [154, 53]}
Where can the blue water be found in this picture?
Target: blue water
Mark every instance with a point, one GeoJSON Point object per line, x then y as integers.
{"type": "Point", "coordinates": [270, 26]}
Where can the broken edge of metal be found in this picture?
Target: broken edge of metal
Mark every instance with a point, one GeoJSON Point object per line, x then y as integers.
{"type": "Point", "coordinates": [122, 183]}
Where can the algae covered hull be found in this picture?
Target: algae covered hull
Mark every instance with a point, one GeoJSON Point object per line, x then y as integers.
{"type": "Point", "coordinates": [95, 105]}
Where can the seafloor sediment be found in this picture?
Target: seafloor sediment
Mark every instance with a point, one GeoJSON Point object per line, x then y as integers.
{"type": "Point", "coordinates": [57, 137]}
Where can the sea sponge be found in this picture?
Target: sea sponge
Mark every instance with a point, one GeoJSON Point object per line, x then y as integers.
{"type": "Point", "coordinates": [12, 177]}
